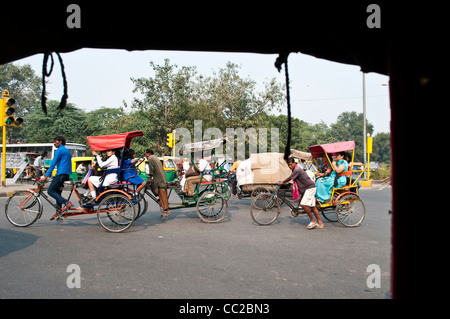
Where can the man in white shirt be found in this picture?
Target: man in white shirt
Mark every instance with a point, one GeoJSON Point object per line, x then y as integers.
{"type": "Point", "coordinates": [39, 163]}
{"type": "Point", "coordinates": [202, 167]}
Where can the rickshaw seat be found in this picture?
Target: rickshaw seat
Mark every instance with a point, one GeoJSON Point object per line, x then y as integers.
{"type": "Point", "coordinates": [111, 171]}
{"type": "Point", "coordinates": [119, 184]}
{"type": "Point", "coordinates": [347, 185]}
{"type": "Point", "coordinates": [215, 181]}
{"type": "Point", "coordinates": [346, 173]}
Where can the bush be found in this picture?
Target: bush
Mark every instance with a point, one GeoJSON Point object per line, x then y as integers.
{"type": "Point", "coordinates": [379, 174]}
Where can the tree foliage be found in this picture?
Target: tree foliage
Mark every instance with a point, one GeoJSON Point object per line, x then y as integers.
{"type": "Point", "coordinates": [174, 97]}
{"type": "Point", "coordinates": [23, 84]}
{"type": "Point", "coordinates": [69, 123]}
{"type": "Point", "coordinates": [350, 126]}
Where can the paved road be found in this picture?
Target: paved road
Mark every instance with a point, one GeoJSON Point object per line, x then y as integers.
{"type": "Point", "coordinates": [181, 257]}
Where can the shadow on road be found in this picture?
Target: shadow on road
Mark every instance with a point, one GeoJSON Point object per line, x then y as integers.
{"type": "Point", "coordinates": [13, 240]}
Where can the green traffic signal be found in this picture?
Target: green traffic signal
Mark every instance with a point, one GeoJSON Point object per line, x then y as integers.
{"type": "Point", "coordinates": [9, 120]}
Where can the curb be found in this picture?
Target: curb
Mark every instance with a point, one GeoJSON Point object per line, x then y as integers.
{"type": "Point", "coordinates": [8, 190]}
{"type": "Point", "coordinates": [366, 184]}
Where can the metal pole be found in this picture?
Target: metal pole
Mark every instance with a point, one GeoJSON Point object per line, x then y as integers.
{"type": "Point", "coordinates": [173, 144]}
{"type": "Point", "coordinates": [365, 129]}
{"type": "Point", "coordinates": [5, 93]}
{"type": "Point", "coordinates": [4, 157]}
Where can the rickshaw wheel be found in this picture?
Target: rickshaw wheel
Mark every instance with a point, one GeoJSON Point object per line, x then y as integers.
{"type": "Point", "coordinates": [23, 208]}
{"type": "Point", "coordinates": [265, 210]}
{"type": "Point", "coordinates": [350, 210]}
{"type": "Point", "coordinates": [212, 207]}
{"type": "Point", "coordinates": [138, 206]}
{"type": "Point", "coordinates": [116, 213]}
{"type": "Point", "coordinates": [143, 206]}
{"type": "Point", "coordinates": [328, 213]}
{"type": "Point", "coordinates": [258, 190]}
{"type": "Point", "coordinates": [229, 191]}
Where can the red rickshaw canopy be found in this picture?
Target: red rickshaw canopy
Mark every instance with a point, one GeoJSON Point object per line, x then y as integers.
{"type": "Point", "coordinates": [109, 142]}
{"type": "Point", "coordinates": [333, 148]}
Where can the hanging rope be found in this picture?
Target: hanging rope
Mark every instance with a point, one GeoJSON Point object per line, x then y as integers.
{"type": "Point", "coordinates": [63, 102]}
{"type": "Point", "coordinates": [282, 59]}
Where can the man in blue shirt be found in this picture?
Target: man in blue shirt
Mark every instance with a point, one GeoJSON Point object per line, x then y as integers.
{"type": "Point", "coordinates": [63, 160]}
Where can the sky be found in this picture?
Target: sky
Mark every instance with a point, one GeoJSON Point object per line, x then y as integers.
{"type": "Point", "coordinates": [320, 89]}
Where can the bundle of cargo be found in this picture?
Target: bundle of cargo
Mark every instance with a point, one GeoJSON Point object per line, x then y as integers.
{"type": "Point", "coordinates": [261, 170]}
{"type": "Point", "coordinates": [244, 174]}
{"type": "Point", "coordinates": [303, 156]}
{"type": "Point", "coordinates": [269, 168]}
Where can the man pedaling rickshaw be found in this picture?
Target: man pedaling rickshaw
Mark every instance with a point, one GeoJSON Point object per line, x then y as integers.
{"type": "Point", "coordinates": [158, 180]}
{"type": "Point", "coordinates": [62, 160]}
{"type": "Point", "coordinates": [307, 191]}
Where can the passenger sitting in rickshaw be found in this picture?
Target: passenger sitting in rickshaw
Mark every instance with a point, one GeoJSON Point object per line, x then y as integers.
{"type": "Point", "coordinates": [201, 167]}
{"type": "Point", "coordinates": [94, 182]}
{"type": "Point", "coordinates": [325, 169]}
{"type": "Point", "coordinates": [348, 158]}
{"type": "Point", "coordinates": [130, 173]}
{"type": "Point", "coordinates": [325, 185]}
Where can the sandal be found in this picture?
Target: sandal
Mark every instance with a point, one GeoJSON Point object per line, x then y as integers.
{"type": "Point", "coordinates": [311, 225]}
{"type": "Point", "coordinates": [165, 213]}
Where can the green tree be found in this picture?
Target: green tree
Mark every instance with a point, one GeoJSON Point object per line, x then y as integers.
{"type": "Point", "coordinates": [381, 148]}
{"type": "Point", "coordinates": [303, 134]}
{"type": "Point", "coordinates": [349, 126]}
{"type": "Point", "coordinates": [23, 85]}
{"type": "Point", "coordinates": [168, 100]}
{"type": "Point", "coordinates": [104, 121]}
{"type": "Point", "coordinates": [226, 100]}
{"type": "Point", "coordinates": [176, 97]}
{"type": "Point", "coordinates": [139, 120]}
{"type": "Point", "coordinates": [233, 101]}
{"type": "Point", "coordinates": [313, 134]}
{"type": "Point", "coordinates": [70, 123]}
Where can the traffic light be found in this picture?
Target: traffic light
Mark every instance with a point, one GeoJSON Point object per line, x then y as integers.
{"type": "Point", "coordinates": [170, 141]}
{"type": "Point", "coordinates": [7, 110]}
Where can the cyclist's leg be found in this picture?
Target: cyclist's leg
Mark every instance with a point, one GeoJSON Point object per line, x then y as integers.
{"type": "Point", "coordinates": [55, 189]}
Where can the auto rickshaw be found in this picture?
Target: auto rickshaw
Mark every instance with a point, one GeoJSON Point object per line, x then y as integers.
{"type": "Point", "coordinates": [169, 166]}
{"type": "Point", "coordinates": [80, 167]}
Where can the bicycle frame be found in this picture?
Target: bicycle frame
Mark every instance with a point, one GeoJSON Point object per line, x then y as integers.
{"type": "Point", "coordinates": [276, 193]}
{"type": "Point", "coordinates": [184, 203]}
{"type": "Point", "coordinates": [217, 183]}
{"type": "Point", "coordinates": [73, 211]}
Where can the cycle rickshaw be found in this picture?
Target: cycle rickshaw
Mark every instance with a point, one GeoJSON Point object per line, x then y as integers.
{"type": "Point", "coordinates": [210, 198]}
{"type": "Point", "coordinates": [254, 189]}
{"type": "Point", "coordinates": [345, 204]}
{"type": "Point", "coordinates": [116, 206]}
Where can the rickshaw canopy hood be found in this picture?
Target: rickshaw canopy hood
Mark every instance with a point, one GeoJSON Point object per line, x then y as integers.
{"type": "Point", "coordinates": [108, 142]}
{"type": "Point", "coordinates": [301, 155]}
{"type": "Point", "coordinates": [204, 145]}
{"type": "Point", "coordinates": [320, 150]}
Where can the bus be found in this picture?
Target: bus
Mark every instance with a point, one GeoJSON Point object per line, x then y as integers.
{"type": "Point", "coordinates": [77, 150]}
